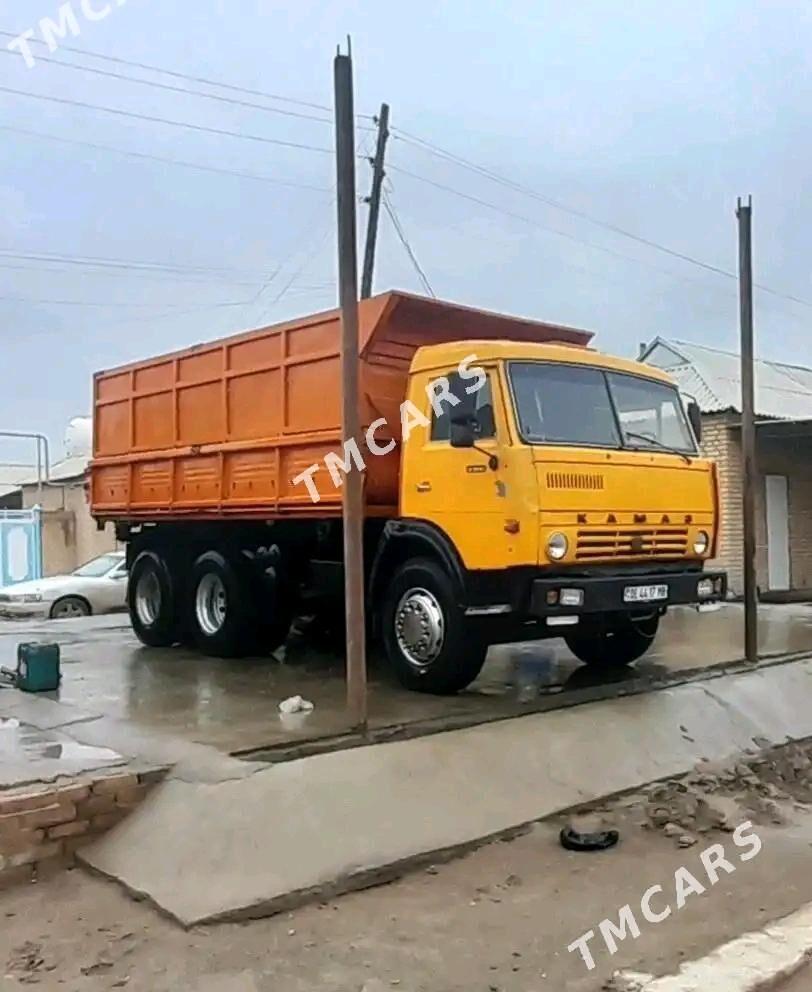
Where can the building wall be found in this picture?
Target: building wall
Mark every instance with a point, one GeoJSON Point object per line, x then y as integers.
{"type": "Point", "coordinates": [721, 444]}
{"type": "Point", "coordinates": [69, 534]}
{"type": "Point", "coordinates": [792, 457]}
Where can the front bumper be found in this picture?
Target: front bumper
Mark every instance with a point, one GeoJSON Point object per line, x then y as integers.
{"type": "Point", "coordinates": [604, 594]}
{"type": "Point", "coordinates": [24, 611]}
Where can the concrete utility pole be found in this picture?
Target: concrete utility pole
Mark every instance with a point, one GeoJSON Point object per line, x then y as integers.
{"type": "Point", "coordinates": [353, 504]}
{"type": "Point", "coordinates": [375, 202]}
{"type": "Point", "coordinates": [744, 215]}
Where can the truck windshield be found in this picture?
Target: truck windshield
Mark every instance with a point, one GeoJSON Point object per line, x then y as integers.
{"type": "Point", "coordinates": [571, 404]}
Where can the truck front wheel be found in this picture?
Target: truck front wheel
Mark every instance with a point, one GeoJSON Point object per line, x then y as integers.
{"type": "Point", "coordinates": [427, 641]}
{"type": "Point", "coordinates": [616, 643]}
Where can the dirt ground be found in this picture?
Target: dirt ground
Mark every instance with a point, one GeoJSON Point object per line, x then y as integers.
{"type": "Point", "coordinates": [498, 920]}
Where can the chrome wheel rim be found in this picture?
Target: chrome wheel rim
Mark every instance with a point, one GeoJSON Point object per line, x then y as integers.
{"type": "Point", "coordinates": [148, 598]}
{"type": "Point", "coordinates": [69, 609]}
{"type": "Point", "coordinates": [211, 604]}
{"type": "Point", "coordinates": [419, 627]}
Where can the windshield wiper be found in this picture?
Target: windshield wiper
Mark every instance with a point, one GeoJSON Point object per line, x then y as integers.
{"type": "Point", "coordinates": [648, 439]}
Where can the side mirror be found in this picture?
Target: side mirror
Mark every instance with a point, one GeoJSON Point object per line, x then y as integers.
{"type": "Point", "coordinates": [695, 418]}
{"type": "Point", "coordinates": [462, 432]}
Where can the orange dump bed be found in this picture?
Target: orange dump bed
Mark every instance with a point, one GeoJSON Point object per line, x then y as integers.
{"type": "Point", "coordinates": [221, 429]}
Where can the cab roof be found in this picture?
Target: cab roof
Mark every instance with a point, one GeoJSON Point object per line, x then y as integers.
{"type": "Point", "coordinates": [436, 357]}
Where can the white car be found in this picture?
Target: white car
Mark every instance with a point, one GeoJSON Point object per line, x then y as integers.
{"type": "Point", "coordinates": [100, 586]}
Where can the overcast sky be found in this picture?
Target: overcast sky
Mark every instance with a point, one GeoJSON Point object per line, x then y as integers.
{"type": "Point", "coordinates": [650, 117]}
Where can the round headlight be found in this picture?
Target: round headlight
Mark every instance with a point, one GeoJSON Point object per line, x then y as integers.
{"type": "Point", "coordinates": [701, 543]}
{"type": "Point", "coordinates": [556, 546]}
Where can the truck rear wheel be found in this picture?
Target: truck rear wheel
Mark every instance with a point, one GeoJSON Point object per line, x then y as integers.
{"type": "Point", "coordinates": [151, 598]}
{"type": "Point", "coordinates": [221, 617]}
{"type": "Point", "coordinates": [615, 644]}
{"type": "Point", "coordinates": [428, 643]}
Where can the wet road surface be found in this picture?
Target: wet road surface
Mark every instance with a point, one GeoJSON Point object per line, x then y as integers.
{"type": "Point", "coordinates": [233, 705]}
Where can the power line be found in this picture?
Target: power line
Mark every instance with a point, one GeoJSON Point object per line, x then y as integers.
{"type": "Point", "coordinates": [119, 263]}
{"type": "Point", "coordinates": [572, 237]}
{"type": "Point", "coordinates": [178, 89]}
{"type": "Point", "coordinates": [390, 209]}
{"type": "Point", "coordinates": [306, 260]}
{"type": "Point", "coordinates": [164, 159]}
{"type": "Point", "coordinates": [575, 212]}
{"type": "Point", "coordinates": [165, 120]}
{"type": "Point", "coordinates": [180, 75]}
{"type": "Point", "coordinates": [186, 76]}
{"type": "Point", "coordinates": [65, 269]}
{"type": "Point", "coordinates": [108, 303]}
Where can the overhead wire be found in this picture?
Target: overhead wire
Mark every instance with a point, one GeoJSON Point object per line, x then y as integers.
{"type": "Point", "coordinates": [533, 222]}
{"type": "Point", "coordinates": [118, 60]}
{"type": "Point", "coordinates": [240, 174]}
{"type": "Point", "coordinates": [178, 75]}
{"type": "Point", "coordinates": [179, 89]}
{"type": "Point", "coordinates": [101, 262]}
{"type": "Point", "coordinates": [221, 132]}
{"type": "Point", "coordinates": [195, 278]}
{"type": "Point", "coordinates": [107, 303]}
{"type": "Point", "coordinates": [502, 180]}
{"type": "Point", "coordinates": [390, 209]}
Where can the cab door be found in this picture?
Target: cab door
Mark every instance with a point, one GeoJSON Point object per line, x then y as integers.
{"type": "Point", "coordinates": [455, 488]}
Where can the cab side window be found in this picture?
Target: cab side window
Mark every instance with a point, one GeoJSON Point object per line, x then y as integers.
{"type": "Point", "coordinates": [478, 404]}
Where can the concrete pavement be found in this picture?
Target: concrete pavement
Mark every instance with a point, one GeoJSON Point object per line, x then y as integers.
{"type": "Point", "coordinates": [392, 804]}
{"type": "Point", "coordinates": [232, 705]}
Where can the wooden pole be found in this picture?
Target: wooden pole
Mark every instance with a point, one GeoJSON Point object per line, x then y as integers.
{"type": "Point", "coordinates": [744, 215]}
{"type": "Point", "coordinates": [375, 202]}
{"type": "Point", "coordinates": [353, 504]}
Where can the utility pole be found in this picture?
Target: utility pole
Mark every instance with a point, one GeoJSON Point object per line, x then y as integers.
{"type": "Point", "coordinates": [744, 216]}
{"type": "Point", "coordinates": [353, 503]}
{"type": "Point", "coordinates": [375, 202]}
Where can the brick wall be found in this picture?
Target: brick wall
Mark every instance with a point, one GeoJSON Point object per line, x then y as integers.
{"type": "Point", "coordinates": [775, 455]}
{"type": "Point", "coordinates": [42, 827]}
{"type": "Point", "coordinates": [723, 445]}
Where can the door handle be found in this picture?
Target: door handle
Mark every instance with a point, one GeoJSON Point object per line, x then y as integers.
{"type": "Point", "coordinates": [423, 487]}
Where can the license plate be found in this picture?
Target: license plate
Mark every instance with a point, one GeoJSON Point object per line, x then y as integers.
{"type": "Point", "coordinates": [644, 594]}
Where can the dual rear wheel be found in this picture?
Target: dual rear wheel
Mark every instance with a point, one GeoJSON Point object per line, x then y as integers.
{"type": "Point", "coordinates": [225, 604]}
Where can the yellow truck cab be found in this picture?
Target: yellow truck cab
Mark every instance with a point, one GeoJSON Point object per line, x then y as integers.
{"type": "Point", "coordinates": [571, 490]}
{"type": "Point", "coordinates": [517, 484]}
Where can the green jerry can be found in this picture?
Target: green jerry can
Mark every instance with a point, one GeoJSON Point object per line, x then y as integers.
{"type": "Point", "coordinates": [37, 667]}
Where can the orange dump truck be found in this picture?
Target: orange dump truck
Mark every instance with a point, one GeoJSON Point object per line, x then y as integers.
{"type": "Point", "coordinates": [517, 484]}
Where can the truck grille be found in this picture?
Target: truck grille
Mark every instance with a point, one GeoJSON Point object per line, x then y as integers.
{"type": "Point", "coordinates": [654, 542]}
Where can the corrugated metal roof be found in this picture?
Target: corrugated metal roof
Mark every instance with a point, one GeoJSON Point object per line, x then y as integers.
{"type": "Point", "coordinates": [782, 392]}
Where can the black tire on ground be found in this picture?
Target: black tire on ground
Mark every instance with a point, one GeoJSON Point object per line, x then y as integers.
{"type": "Point", "coordinates": [222, 613]}
{"type": "Point", "coordinates": [70, 606]}
{"type": "Point", "coordinates": [152, 601]}
{"type": "Point", "coordinates": [421, 597]}
{"type": "Point", "coordinates": [614, 645]}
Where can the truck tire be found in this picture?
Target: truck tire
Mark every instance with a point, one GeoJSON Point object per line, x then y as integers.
{"type": "Point", "coordinates": [427, 641]}
{"type": "Point", "coordinates": [222, 618]}
{"type": "Point", "coordinates": [614, 645]}
{"type": "Point", "coordinates": [151, 599]}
